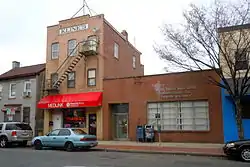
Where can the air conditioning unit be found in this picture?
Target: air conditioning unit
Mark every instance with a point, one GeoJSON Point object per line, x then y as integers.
{"type": "Point", "coordinates": [26, 94]}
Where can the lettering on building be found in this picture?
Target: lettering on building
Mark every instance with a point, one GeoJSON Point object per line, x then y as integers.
{"type": "Point", "coordinates": [73, 29]}
{"type": "Point", "coordinates": [172, 92]}
{"type": "Point", "coordinates": [55, 105]}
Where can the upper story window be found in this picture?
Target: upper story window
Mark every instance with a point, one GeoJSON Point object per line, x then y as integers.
{"type": "Point", "coordinates": [55, 50]}
{"type": "Point", "coordinates": [72, 47]}
{"type": "Point", "coordinates": [92, 77]}
{"type": "Point", "coordinates": [116, 50]}
{"type": "Point", "coordinates": [1, 91]}
{"type": "Point", "coordinates": [12, 90]}
{"type": "Point", "coordinates": [71, 80]}
{"type": "Point", "coordinates": [241, 60]}
{"type": "Point", "coordinates": [134, 61]}
{"type": "Point", "coordinates": [27, 86]}
{"type": "Point", "coordinates": [54, 78]}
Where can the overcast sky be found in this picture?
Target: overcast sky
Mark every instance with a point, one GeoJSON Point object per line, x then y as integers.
{"type": "Point", "coordinates": [24, 22]}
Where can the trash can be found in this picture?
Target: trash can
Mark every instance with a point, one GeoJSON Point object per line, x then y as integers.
{"type": "Point", "coordinates": [149, 133]}
{"type": "Point", "coordinates": [140, 133]}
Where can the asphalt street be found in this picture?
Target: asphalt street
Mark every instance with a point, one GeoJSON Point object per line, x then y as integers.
{"type": "Point", "coordinates": [27, 157]}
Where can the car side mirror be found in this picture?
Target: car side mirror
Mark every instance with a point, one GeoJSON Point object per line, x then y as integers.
{"type": "Point", "coordinates": [47, 134]}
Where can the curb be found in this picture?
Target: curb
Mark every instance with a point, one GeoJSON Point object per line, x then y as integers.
{"type": "Point", "coordinates": [161, 152]}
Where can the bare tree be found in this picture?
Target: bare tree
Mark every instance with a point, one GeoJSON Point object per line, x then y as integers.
{"type": "Point", "coordinates": [213, 37]}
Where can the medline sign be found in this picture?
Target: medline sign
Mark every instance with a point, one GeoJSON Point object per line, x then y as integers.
{"type": "Point", "coordinates": [73, 29]}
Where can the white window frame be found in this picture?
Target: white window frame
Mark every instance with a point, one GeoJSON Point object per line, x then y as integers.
{"type": "Point", "coordinates": [116, 50]}
{"type": "Point", "coordinates": [72, 49]}
{"type": "Point", "coordinates": [55, 51]}
{"type": "Point", "coordinates": [91, 78]}
{"type": "Point", "coordinates": [70, 80]}
{"type": "Point", "coordinates": [134, 61]}
{"type": "Point", "coordinates": [177, 121]}
{"type": "Point", "coordinates": [25, 88]}
{"type": "Point", "coordinates": [10, 90]}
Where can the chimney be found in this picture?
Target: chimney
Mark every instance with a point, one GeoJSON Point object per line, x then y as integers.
{"type": "Point", "coordinates": [125, 34]}
{"type": "Point", "coordinates": [15, 64]}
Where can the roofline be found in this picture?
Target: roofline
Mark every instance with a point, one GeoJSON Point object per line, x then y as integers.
{"type": "Point", "coordinates": [234, 28]}
{"type": "Point", "coordinates": [154, 75]}
{"type": "Point", "coordinates": [74, 18]}
{"type": "Point", "coordinates": [115, 30]}
{"type": "Point", "coordinates": [20, 76]}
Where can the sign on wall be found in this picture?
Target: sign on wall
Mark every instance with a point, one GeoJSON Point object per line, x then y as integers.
{"type": "Point", "coordinates": [73, 29]}
{"type": "Point", "coordinates": [172, 92]}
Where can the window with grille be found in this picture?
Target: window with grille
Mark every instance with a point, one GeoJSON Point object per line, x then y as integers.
{"type": "Point", "coordinates": [182, 116]}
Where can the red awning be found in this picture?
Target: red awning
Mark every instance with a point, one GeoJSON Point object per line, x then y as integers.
{"type": "Point", "coordinates": [89, 99]}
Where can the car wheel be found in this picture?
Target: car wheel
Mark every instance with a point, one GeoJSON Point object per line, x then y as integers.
{"type": "Point", "coordinates": [245, 154]}
{"type": "Point", "coordinates": [3, 142]}
{"type": "Point", "coordinates": [38, 145]}
{"type": "Point", "coordinates": [69, 146]}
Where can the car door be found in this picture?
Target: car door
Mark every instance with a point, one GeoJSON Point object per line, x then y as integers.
{"type": "Point", "coordinates": [63, 137]}
{"type": "Point", "coordinates": [51, 139]}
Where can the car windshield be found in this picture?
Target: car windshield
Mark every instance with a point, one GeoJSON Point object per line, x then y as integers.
{"type": "Point", "coordinates": [79, 132]}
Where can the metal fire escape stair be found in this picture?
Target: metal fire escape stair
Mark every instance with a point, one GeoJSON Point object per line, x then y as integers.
{"type": "Point", "coordinates": [83, 49]}
{"type": "Point", "coordinates": [71, 61]}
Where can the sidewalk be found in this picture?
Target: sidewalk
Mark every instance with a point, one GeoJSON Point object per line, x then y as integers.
{"type": "Point", "coordinates": [200, 149]}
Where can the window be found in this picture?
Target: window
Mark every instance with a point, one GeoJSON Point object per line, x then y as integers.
{"type": "Point", "coordinates": [241, 60]}
{"type": "Point", "coordinates": [245, 108]}
{"type": "Point", "coordinates": [1, 127]}
{"type": "Point", "coordinates": [116, 50]}
{"type": "Point", "coordinates": [54, 78]}
{"type": "Point", "coordinates": [71, 80]}
{"type": "Point", "coordinates": [79, 132]}
{"type": "Point", "coordinates": [54, 133]}
{"type": "Point", "coordinates": [91, 77]}
{"type": "Point", "coordinates": [12, 93]}
{"type": "Point", "coordinates": [55, 50]}
{"type": "Point", "coordinates": [26, 114]}
{"type": "Point", "coordinates": [74, 118]}
{"type": "Point", "coordinates": [18, 126]}
{"type": "Point", "coordinates": [1, 91]}
{"type": "Point", "coordinates": [134, 61]}
{"type": "Point", "coordinates": [182, 116]}
{"type": "Point", "coordinates": [27, 86]}
{"type": "Point", "coordinates": [72, 47]}
{"type": "Point", "coordinates": [64, 132]}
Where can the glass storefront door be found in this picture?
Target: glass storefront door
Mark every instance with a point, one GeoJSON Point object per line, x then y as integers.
{"type": "Point", "coordinates": [121, 125]}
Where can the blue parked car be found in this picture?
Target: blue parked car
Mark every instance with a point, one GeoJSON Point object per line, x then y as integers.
{"type": "Point", "coordinates": [67, 138]}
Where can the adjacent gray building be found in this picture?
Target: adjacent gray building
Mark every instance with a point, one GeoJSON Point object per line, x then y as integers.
{"type": "Point", "coordinates": [20, 90]}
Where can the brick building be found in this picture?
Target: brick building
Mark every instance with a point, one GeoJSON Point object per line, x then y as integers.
{"type": "Point", "coordinates": [81, 52]}
{"type": "Point", "coordinates": [189, 107]}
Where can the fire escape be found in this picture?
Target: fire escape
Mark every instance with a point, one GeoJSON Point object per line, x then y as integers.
{"type": "Point", "coordinates": [83, 49]}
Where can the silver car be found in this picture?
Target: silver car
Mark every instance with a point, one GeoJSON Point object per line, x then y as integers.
{"type": "Point", "coordinates": [15, 132]}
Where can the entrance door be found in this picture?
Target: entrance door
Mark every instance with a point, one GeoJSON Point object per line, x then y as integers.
{"type": "Point", "coordinates": [57, 118]}
{"type": "Point", "coordinates": [92, 124]}
{"type": "Point", "coordinates": [121, 125]}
